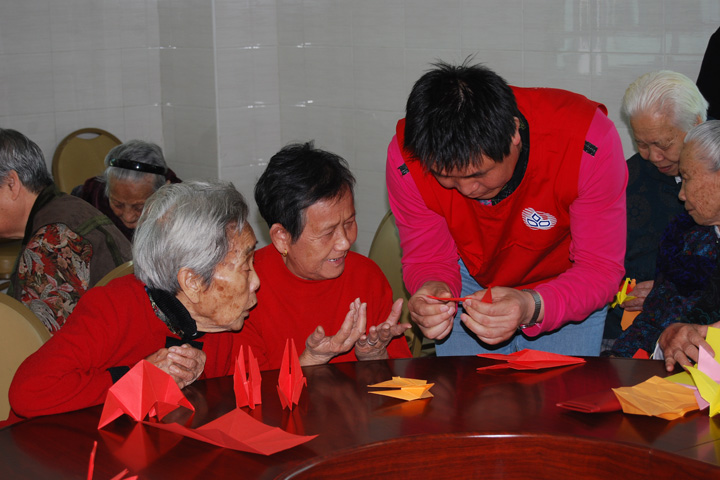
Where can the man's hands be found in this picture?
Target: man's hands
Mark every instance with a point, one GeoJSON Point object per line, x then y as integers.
{"type": "Point", "coordinates": [493, 322]}
{"type": "Point", "coordinates": [184, 364]}
{"type": "Point", "coordinates": [434, 317]}
{"type": "Point", "coordinates": [680, 343]}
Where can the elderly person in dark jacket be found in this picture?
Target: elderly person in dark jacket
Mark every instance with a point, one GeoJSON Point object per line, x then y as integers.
{"type": "Point", "coordinates": [687, 261]}
{"type": "Point", "coordinates": [134, 171]}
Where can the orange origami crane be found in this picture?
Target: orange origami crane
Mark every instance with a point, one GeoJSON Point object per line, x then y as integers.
{"type": "Point", "coordinates": [147, 390]}
{"type": "Point", "coordinates": [247, 387]}
{"type": "Point", "coordinates": [529, 360]}
{"type": "Point", "coordinates": [291, 379]}
{"type": "Point", "coordinates": [405, 388]}
{"type": "Point", "coordinates": [657, 397]}
{"type": "Point", "coordinates": [487, 298]}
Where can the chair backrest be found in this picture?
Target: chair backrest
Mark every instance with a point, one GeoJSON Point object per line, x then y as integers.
{"type": "Point", "coordinates": [9, 251]}
{"type": "Point", "coordinates": [120, 271]}
{"type": "Point", "coordinates": [81, 155]}
{"type": "Point", "coordinates": [385, 251]}
{"type": "Point", "coordinates": [23, 334]}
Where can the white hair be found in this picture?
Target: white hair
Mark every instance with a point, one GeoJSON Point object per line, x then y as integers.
{"type": "Point", "coordinates": [706, 140]}
{"type": "Point", "coordinates": [668, 92]}
{"type": "Point", "coordinates": [186, 225]}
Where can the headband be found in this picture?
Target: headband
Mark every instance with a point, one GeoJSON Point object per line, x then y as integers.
{"type": "Point", "coordinates": [137, 166]}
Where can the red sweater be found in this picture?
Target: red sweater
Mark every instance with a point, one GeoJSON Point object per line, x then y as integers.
{"type": "Point", "coordinates": [111, 326]}
{"type": "Point", "coordinates": [291, 307]}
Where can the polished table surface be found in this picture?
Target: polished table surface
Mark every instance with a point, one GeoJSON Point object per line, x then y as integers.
{"type": "Point", "coordinates": [471, 414]}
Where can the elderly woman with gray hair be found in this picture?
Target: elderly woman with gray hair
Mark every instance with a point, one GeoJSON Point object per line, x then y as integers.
{"type": "Point", "coordinates": [134, 171]}
{"type": "Point", "coordinates": [685, 297]}
{"type": "Point", "coordinates": [194, 284]}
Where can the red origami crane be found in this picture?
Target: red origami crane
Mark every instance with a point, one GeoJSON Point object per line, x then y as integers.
{"type": "Point", "coordinates": [487, 298]}
{"type": "Point", "coordinates": [144, 390]}
{"type": "Point", "coordinates": [530, 360]}
{"type": "Point", "coordinates": [247, 387]}
{"type": "Point", "coordinates": [291, 379]}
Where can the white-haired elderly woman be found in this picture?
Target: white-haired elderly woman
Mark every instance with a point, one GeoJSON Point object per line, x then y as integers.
{"type": "Point", "coordinates": [193, 286]}
{"type": "Point", "coordinates": [660, 108]}
{"type": "Point", "coordinates": [134, 171]}
{"type": "Point", "coordinates": [700, 170]}
{"type": "Point", "coordinates": [686, 283]}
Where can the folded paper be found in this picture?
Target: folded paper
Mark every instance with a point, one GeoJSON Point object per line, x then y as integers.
{"type": "Point", "coordinates": [404, 388]}
{"type": "Point", "coordinates": [290, 379]}
{"type": "Point", "coordinates": [529, 360]}
{"type": "Point", "coordinates": [626, 287]}
{"type": "Point", "coordinates": [148, 391]}
{"type": "Point", "coordinates": [144, 390]}
{"type": "Point", "coordinates": [487, 298]}
{"type": "Point", "coordinates": [91, 467]}
{"type": "Point", "coordinates": [657, 397]}
{"type": "Point", "coordinates": [248, 384]}
{"type": "Point", "coordinates": [598, 402]}
{"type": "Point", "coordinates": [238, 431]}
{"type": "Point", "coordinates": [704, 377]}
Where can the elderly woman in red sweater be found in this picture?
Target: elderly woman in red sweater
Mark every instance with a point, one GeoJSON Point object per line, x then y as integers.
{"type": "Point", "coordinates": [334, 302]}
{"type": "Point", "coordinates": [193, 286]}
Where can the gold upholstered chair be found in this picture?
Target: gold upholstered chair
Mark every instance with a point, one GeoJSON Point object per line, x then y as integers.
{"type": "Point", "coordinates": [81, 155]}
{"type": "Point", "coordinates": [23, 334]}
{"type": "Point", "coordinates": [386, 253]}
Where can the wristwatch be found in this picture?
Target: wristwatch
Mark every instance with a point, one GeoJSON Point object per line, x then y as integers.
{"type": "Point", "coordinates": [538, 303]}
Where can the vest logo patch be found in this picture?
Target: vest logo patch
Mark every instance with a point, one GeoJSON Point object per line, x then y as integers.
{"type": "Point", "coordinates": [538, 220]}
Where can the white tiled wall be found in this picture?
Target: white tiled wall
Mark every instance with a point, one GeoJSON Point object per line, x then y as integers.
{"type": "Point", "coordinates": [223, 84]}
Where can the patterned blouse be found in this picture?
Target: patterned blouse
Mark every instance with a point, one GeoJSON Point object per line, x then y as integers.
{"type": "Point", "coordinates": [54, 272]}
{"type": "Point", "coordinates": [687, 259]}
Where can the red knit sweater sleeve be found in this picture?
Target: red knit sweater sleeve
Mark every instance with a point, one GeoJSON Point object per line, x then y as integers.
{"type": "Point", "coordinates": [111, 326]}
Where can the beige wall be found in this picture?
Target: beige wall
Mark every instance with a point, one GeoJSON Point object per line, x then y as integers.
{"type": "Point", "coordinates": [223, 84]}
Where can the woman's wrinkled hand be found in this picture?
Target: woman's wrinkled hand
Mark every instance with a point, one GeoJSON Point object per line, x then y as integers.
{"type": "Point", "coordinates": [320, 348]}
{"type": "Point", "coordinates": [640, 292]}
{"type": "Point", "coordinates": [681, 343]}
{"type": "Point", "coordinates": [373, 346]}
{"type": "Point", "coordinates": [184, 364]}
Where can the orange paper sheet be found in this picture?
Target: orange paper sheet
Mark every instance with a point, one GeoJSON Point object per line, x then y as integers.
{"type": "Point", "coordinates": [657, 397]}
{"type": "Point", "coordinates": [404, 388]}
{"type": "Point", "coordinates": [529, 360]}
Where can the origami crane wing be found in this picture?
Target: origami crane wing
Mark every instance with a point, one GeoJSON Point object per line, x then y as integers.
{"type": "Point", "coordinates": [290, 379]}
{"type": "Point", "coordinates": [530, 360]}
{"type": "Point", "coordinates": [487, 298]}
{"type": "Point", "coordinates": [405, 388]}
{"type": "Point", "coordinates": [144, 390]}
{"type": "Point", "coordinates": [247, 388]}
{"type": "Point", "coordinates": [399, 382]}
{"type": "Point", "coordinates": [238, 431]}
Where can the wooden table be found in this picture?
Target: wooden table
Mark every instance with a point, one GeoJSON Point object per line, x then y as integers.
{"type": "Point", "coordinates": [496, 425]}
